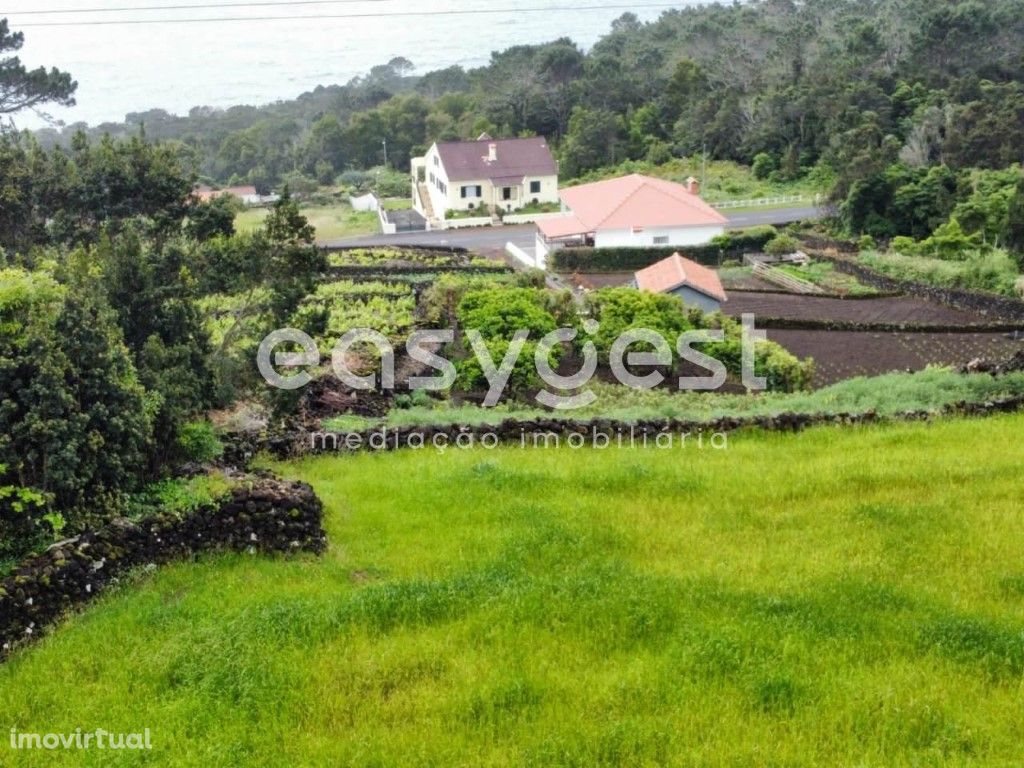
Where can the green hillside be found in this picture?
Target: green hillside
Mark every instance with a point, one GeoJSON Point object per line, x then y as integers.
{"type": "Point", "coordinates": [840, 597]}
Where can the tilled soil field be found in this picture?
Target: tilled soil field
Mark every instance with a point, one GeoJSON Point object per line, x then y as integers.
{"type": "Point", "coordinates": [892, 310]}
{"type": "Point", "coordinates": [842, 355]}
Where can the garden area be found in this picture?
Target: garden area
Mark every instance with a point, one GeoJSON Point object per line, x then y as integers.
{"type": "Point", "coordinates": [724, 180]}
{"type": "Point", "coordinates": [331, 221]}
{"type": "Point", "coordinates": [551, 618]}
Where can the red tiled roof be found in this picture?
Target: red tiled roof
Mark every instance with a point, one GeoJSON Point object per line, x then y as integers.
{"type": "Point", "coordinates": [515, 159]}
{"type": "Point", "coordinates": [675, 272]}
{"type": "Point", "coordinates": [632, 201]}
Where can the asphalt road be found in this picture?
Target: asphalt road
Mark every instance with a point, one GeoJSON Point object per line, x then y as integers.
{"type": "Point", "coordinates": [493, 239]}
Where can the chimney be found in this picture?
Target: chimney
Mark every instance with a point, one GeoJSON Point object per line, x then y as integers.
{"type": "Point", "coordinates": [492, 152]}
{"type": "Point", "coordinates": [693, 186]}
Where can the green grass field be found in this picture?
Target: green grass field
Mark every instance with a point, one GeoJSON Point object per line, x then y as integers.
{"type": "Point", "coordinates": [839, 597]}
{"type": "Point", "coordinates": [330, 221]}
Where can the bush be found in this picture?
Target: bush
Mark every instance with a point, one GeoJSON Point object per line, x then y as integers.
{"type": "Point", "coordinates": [24, 522]}
{"type": "Point", "coordinates": [764, 165]}
{"type": "Point", "coordinates": [732, 245]}
{"type": "Point", "coordinates": [622, 309]}
{"type": "Point", "coordinates": [993, 271]}
{"type": "Point", "coordinates": [783, 245]}
{"type": "Point", "coordinates": [199, 443]}
{"type": "Point", "coordinates": [906, 246]}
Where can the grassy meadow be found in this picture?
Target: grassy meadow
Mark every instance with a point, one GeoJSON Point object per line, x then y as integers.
{"type": "Point", "coordinates": [839, 597]}
{"type": "Point", "coordinates": [331, 222]}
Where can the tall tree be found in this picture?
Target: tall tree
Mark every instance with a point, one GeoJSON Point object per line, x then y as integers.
{"type": "Point", "coordinates": [22, 88]}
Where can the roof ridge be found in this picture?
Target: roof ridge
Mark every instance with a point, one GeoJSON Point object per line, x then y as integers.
{"type": "Point", "coordinates": [624, 200]}
{"type": "Point", "coordinates": [686, 198]}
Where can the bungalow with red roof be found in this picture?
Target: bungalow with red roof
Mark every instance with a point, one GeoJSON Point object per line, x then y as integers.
{"type": "Point", "coordinates": [698, 286]}
{"type": "Point", "coordinates": [486, 174]}
{"type": "Point", "coordinates": [631, 211]}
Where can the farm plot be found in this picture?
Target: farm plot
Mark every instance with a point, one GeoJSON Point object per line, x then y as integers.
{"type": "Point", "coordinates": [342, 306]}
{"type": "Point", "coordinates": [840, 355]}
{"type": "Point", "coordinates": [896, 310]}
{"type": "Point", "coordinates": [396, 258]}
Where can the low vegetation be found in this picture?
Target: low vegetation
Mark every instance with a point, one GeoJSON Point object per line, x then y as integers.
{"type": "Point", "coordinates": [415, 257]}
{"type": "Point", "coordinates": [616, 607]}
{"type": "Point", "coordinates": [989, 271]}
{"type": "Point", "coordinates": [724, 180]}
{"type": "Point", "coordinates": [824, 275]}
{"type": "Point", "coordinates": [332, 222]}
{"type": "Point", "coordinates": [891, 395]}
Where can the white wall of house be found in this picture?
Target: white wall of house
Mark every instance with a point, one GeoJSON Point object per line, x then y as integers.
{"type": "Point", "coordinates": [446, 195]}
{"type": "Point", "coordinates": [437, 182]}
{"type": "Point", "coordinates": [656, 236]}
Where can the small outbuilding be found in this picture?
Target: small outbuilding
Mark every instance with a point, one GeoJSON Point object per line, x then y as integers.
{"type": "Point", "coordinates": [698, 286]}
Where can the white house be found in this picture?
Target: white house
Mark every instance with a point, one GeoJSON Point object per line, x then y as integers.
{"type": "Point", "coordinates": [484, 174]}
{"type": "Point", "coordinates": [631, 211]}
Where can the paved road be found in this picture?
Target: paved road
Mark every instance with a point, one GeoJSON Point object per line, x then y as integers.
{"type": "Point", "coordinates": [493, 239]}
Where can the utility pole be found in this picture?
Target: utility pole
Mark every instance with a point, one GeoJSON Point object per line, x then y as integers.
{"type": "Point", "coordinates": [385, 143]}
{"type": "Point", "coordinates": [704, 167]}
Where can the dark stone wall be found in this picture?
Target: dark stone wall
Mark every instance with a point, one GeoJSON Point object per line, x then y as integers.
{"type": "Point", "coordinates": [293, 443]}
{"type": "Point", "coordinates": [260, 516]}
{"type": "Point", "coordinates": [988, 304]}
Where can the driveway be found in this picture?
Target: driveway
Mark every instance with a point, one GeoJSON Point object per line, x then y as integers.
{"type": "Point", "coordinates": [492, 240]}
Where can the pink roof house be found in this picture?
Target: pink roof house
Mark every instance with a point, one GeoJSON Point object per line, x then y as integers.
{"type": "Point", "coordinates": [631, 211]}
{"type": "Point", "coordinates": [697, 285]}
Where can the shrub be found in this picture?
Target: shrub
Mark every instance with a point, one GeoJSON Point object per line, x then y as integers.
{"type": "Point", "coordinates": [904, 245]}
{"type": "Point", "coordinates": [199, 443]}
{"type": "Point", "coordinates": [24, 523]}
{"type": "Point", "coordinates": [732, 245]}
{"type": "Point", "coordinates": [622, 309]}
{"type": "Point", "coordinates": [764, 165]}
{"type": "Point", "coordinates": [782, 245]}
{"type": "Point", "coordinates": [993, 271]}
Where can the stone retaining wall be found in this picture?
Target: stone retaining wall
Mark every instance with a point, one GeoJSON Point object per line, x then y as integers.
{"type": "Point", "coordinates": [261, 516]}
{"type": "Point", "coordinates": [296, 443]}
{"type": "Point", "coordinates": [988, 304]}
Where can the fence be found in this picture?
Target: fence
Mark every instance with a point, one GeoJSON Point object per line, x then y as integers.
{"type": "Point", "coordinates": [785, 280]}
{"type": "Point", "coordinates": [386, 226]}
{"type": "Point", "coordinates": [763, 202]}
{"type": "Point", "coordinates": [530, 218]}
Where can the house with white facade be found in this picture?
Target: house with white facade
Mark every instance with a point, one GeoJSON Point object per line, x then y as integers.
{"type": "Point", "coordinates": [483, 175]}
{"type": "Point", "coordinates": [633, 211]}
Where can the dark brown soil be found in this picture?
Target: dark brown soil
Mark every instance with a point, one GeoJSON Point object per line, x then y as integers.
{"type": "Point", "coordinates": [842, 355]}
{"type": "Point", "coordinates": [892, 310]}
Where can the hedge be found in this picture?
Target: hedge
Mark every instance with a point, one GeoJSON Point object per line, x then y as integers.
{"type": "Point", "coordinates": [729, 246]}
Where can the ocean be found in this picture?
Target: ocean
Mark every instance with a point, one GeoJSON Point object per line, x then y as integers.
{"type": "Point", "coordinates": [175, 65]}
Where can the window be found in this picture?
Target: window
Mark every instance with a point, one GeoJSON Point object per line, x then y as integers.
{"type": "Point", "coordinates": [661, 240]}
{"type": "Point", "coordinates": [534, 187]}
{"type": "Point", "coordinates": [472, 191]}
{"type": "Point", "coordinates": [506, 193]}
{"type": "Point", "coordinates": [437, 161]}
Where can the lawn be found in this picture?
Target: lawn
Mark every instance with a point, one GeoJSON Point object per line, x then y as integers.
{"type": "Point", "coordinates": [331, 221]}
{"type": "Point", "coordinates": [838, 597]}
{"type": "Point", "coordinates": [826, 276]}
{"type": "Point", "coordinates": [724, 181]}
